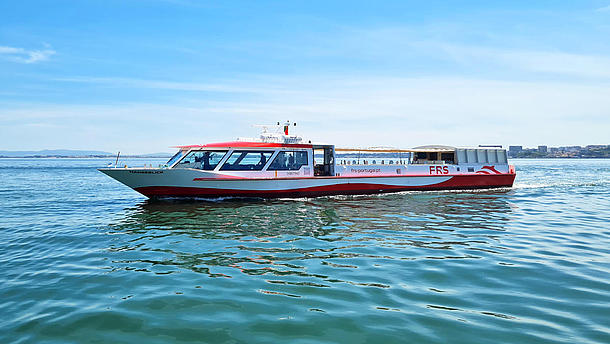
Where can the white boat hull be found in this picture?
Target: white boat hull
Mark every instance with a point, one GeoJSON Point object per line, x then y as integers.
{"type": "Point", "coordinates": [156, 183]}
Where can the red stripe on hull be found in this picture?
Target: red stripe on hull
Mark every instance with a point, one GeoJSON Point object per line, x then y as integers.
{"type": "Point", "coordinates": [457, 182]}
{"type": "Point", "coordinates": [246, 144]}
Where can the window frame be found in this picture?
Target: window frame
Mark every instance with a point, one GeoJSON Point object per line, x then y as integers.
{"type": "Point", "coordinates": [307, 162]}
{"type": "Point", "coordinates": [220, 162]}
{"type": "Point", "coordinates": [178, 158]}
{"type": "Point", "coordinates": [221, 167]}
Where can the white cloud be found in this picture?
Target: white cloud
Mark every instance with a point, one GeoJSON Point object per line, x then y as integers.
{"type": "Point", "coordinates": [402, 112]}
{"type": "Point", "coordinates": [353, 109]}
{"type": "Point", "coordinates": [119, 82]}
{"type": "Point", "coordinates": [21, 55]}
{"type": "Point", "coordinates": [557, 63]}
{"type": "Point", "coordinates": [604, 9]}
{"type": "Point", "coordinates": [409, 46]}
{"type": "Point", "coordinates": [412, 50]}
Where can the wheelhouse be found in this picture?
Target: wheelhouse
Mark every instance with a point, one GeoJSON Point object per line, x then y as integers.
{"type": "Point", "coordinates": [238, 157]}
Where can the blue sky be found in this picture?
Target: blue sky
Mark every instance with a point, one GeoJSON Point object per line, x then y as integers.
{"type": "Point", "coordinates": [140, 76]}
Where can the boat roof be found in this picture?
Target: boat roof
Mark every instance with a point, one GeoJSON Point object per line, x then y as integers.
{"type": "Point", "coordinates": [247, 144]}
{"type": "Point", "coordinates": [255, 144]}
{"type": "Point", "coordinates": [435, 148]}
{"type": "Point", "coordinates": [423, 149]}
{"type": "Point", "coordinates": [399, 150]}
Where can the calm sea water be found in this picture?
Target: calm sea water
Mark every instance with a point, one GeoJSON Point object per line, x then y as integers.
{"type": "Point", "coordinates": [85, 259]}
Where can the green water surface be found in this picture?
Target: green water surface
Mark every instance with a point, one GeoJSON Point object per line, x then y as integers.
{"type": "Point", "coordinates": [85, 259]}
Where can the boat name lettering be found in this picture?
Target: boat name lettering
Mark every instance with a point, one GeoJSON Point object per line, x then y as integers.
{"type": "Point", "coordinates": [439, 170]}
{"type": "Point", "coordinates": [366, 170]}
{"type": "Point", "coordinates": [146, 172]}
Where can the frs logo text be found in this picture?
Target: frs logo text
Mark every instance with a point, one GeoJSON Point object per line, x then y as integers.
{"type": "Point", "coordinates": [439, 170]}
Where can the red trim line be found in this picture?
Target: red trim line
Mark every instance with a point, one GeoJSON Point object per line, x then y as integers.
{"type": "Point", "coordinates": [245, 144]}
{"type": "Point", "coordinates": [491, 168]}
{"type": "Point", "coordinates": [457, 182]}
{"type": "Point", "coordinates": [225, 177]}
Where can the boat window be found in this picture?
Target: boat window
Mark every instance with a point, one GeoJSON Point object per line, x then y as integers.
{"type": "Point", "coordinates": [202, 160]}
{"type": "Point", "coordinates": [461, 156]}
{"type": "Point", "coordinates": [289, 161]}
{"type": "Point", "coordinates": [472, 156]}
{"type": "Point", "coordinates": [492, 156]}
{"type": "Point", "coordinates": [448, 157]}
{"type": "Point", "coordinates": [502, 156]}
{"type": "Point", "coordinates": [246, 161]}
{"type": "Point", "coordinates": [481, 156]}
{"type": "Point", "coordinates": [175, 158]}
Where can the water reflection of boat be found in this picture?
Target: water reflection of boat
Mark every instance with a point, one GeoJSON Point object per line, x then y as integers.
{"type": "Point", "coordinates": [282, 165]}
{"type": "Point", "coordinates": [320, 216]}
{"type": "Point", "coordinates": [285, 237]}
{"type": "Point", "coordinates": [255, 217]}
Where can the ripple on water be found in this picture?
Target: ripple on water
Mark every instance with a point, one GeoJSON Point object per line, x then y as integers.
{"type": "Point", "coordinates": [86, 258]}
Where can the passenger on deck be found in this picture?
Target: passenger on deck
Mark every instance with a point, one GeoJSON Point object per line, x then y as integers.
{"type": "Point", "coordinates": [263, 160]}
{"type": "Point", "coordinates": [206, 161]}
{"type": "Point", "coordinates": [291, 162]}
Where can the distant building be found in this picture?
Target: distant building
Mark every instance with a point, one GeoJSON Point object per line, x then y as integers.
{"type": "Point", "coordinates": [554, 150]}
{"type": "Point", "coordinates": [542, 149]}
{"type": "Point", "coordinates": [514, 150]}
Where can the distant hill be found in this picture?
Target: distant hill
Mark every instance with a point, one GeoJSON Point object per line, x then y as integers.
{"type": "Point", "coordinates": [53, 152]}
{"type": "Point", "coordinates": [73, 154]}
{"type": "Point", "coordinates": [155, 155]}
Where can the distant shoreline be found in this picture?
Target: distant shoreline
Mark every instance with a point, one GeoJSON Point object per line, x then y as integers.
{"type": "Point", "coordinates": [77, 154]}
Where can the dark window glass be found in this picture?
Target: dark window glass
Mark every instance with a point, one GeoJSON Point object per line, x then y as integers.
{"type": "Point", "coordinates": [246, 161]}
{"type": "Point", "coordinates": [175, 158]}
{"type": "Point", "coordinates": [203, 160]}
{"type": "Point", "coordinates": [289, 161]}
{"type": "Point", "coordinates": [448, 157]}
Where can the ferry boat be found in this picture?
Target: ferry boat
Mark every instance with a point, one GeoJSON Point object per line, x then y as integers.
{"type": "Point", "coordinates": [278, 164]}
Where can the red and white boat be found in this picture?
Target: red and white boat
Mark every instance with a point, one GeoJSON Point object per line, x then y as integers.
{"type": "Point", "coordinates": [283, 165]}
